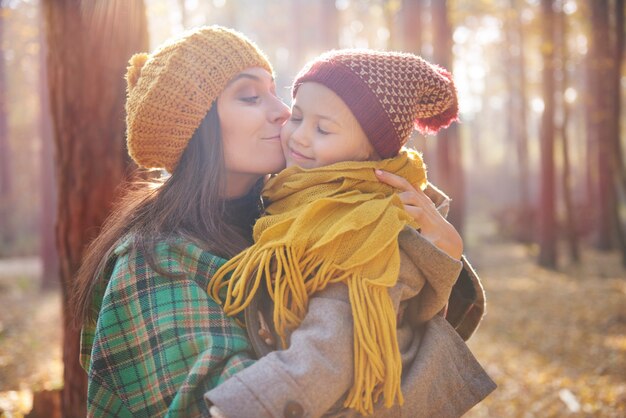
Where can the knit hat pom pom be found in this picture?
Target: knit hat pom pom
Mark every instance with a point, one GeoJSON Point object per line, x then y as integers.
{"type": "Point", "coordinates": [135, 64]}
{"type": "Point", "coordinates": [431, 125]}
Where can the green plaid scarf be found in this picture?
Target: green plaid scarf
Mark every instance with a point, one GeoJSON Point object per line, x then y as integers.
{"type": "Point", "coordinates": [159, 343]}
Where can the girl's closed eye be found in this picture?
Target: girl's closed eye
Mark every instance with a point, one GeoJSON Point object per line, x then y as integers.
{"type": "Point", "coordinates": [322, 131]}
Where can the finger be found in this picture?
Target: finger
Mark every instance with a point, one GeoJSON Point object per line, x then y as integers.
{"type": "Point", "coordinates": [416, 213]}
{"type": "Point", "coordinates": [409, 198]}
{"type": "Point", "coordinates": [394, 180]}
{"type": "Point", "coordinates": [416, 198]}
{"type": "Point", "coordinates": [216, 412]}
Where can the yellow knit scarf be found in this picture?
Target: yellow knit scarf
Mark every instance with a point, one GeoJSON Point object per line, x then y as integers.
{"type": "Point", "coordinates": [337, 223]}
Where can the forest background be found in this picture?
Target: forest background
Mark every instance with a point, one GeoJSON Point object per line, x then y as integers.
{"type": "Point", "coordinates": [535, 169]}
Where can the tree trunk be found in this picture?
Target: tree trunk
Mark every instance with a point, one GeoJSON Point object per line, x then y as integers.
{"type": "Point", "coordinates": [390, 10]}
{"type": "Point", "coordinates": [449, 156]}
{"type": "Point", "coordinates": [571, 230]}
{"type": "Point", "coordinates": [47, 248]}
{"type": "Point", "coordinates": [620, 169]}
{"type": "Point", "coordinates": [183, 14]}
{"type": "Point", "coordinates": [6, 198]}
{"type": "Point", "coordinates": [412, 30]}
{"type": "Point", "coordinates": [516, 78]}
{"type": "Point", "coordinates": [619, 174]}
{"type": "Point", "coordinates": [296, 53]}
{"type": "Point", "coordinates": [601, 63]}
{"type": "Point", "coordinates": [411, 14]}
{"type": "Point", "coordinates": [89, 45]}
{"type": "Point", "coordinates": [329, 22]}
{"type": "Point", "coordinates": [547, 221]}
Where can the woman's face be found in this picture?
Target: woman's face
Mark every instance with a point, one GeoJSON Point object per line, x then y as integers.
{"type": "Point", "coordinates": [251, 117]}
{"type": "Point", "coordinates": [322, 130]}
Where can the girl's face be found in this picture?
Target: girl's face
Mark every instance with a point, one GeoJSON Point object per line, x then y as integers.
{"type": "Point", "coordinates": [322, 130]}
{"type": "Point", "coordinates": [251, 116]}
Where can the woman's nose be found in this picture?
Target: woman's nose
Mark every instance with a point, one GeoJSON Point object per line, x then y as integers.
{"type": "Point", "coordinates": [280, 112]}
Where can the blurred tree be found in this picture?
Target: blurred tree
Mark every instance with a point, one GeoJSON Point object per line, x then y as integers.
{"type": "Point", "coordinates": [296, 51]}
{"type": "Point", "coordinates": [89, 43]}
{"type": "Point", "coordinates": [449, 171]}
{"type": "Point", "coordinates": [547, 217]}
{"type": "Point", "coordinates": [230, 9]}
{"type": "Point", "coordinates": [183, 13]}
{"type": "Point", "coordinates": [48, 209]}
{"type": "Point", "coordinates": [329, 25]}
{"type": "Point", "coordinates": [6, 198]}
{"type": "Point", "coordinates": [617, 166]}
{"type": "Point", "coordinates": [600, 71]}
{"type": "Point", "coordinates": [515, 76]}
{"type": "Point", "coordinates": [570, 221]}
{"type": "Point", "coordinates": [412, 27]}
{"type": "Point", "coordinates": [390, 10]}
{"type": "Point", "coordinates": [616, 91]}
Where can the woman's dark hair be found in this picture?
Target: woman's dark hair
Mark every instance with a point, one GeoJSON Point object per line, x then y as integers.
{"type": "Point", "coordinates": [187, 204]}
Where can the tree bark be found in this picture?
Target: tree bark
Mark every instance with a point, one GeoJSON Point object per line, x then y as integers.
{"type": "Point", "coordinates": [329, 22]}
{"type": "Point", "coordinates": [620, 169]}
{"type": "Point", "coordinates": [571, 230]}
{"type": "Point", "coordinates": [183, 14]}
{"type": "Point", "coordinates": [449, 170]}
{"type": "Point", "coordinates": [296, 53]}
{"type": "Point", "coordinates": [516, 75]}
{"type": "Point", "coordinates": [547, 221]}
{"type": "Point", "coordinates": [390, 11]}
{"type": "Point", "coordinates": [47, 248]}
{"type": "Point", "coordinates": [89, 44]}
{"type": "Point", "coordinates": [6, 198]}
{"type": "Point", "coordinates": [617, 166]}
{"type": "Point", "coordinates": [412, 26]}
{"type": "Point", "coordinates": [600, 66]}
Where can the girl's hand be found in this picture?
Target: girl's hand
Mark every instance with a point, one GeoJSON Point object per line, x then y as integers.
{"type": "Point", "coordinates": [216, 412]}
{"type": "Point", "coordinates": [433, 226]}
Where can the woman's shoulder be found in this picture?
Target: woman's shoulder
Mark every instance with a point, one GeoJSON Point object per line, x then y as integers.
{"type": "Point", "coordinates": [173, 257]}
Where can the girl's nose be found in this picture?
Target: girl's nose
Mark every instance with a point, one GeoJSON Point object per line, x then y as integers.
{"type": "Point", "coordinates": [299, 135]}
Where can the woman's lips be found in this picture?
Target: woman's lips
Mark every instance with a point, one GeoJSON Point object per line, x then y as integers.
{"type": "Point", "coordinates": [272, 138]}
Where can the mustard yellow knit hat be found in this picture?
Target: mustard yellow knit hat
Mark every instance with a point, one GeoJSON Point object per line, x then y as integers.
{"type": "Point", "coordinates": [171, 90]}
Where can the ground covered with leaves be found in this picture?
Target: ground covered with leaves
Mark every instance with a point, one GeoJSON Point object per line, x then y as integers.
{"type": "Point", "coordinates": [554, 341]}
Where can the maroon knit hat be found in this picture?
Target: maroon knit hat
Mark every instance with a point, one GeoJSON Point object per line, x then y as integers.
{"type": "Point", "coordinates": [389, 93]}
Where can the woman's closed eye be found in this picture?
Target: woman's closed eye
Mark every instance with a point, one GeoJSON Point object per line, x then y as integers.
{"type": "Point", "coordinates": [249, 99]}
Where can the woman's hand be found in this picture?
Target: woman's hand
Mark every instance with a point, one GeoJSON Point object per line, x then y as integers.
{"type": "Point", "coordinates": [433, 226]}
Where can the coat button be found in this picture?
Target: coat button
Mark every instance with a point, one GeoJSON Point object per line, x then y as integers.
{"type": "Point", "coordinates": [293, 410]}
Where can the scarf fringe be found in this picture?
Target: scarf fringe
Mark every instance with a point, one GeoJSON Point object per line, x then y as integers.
{"type": "Point", "coordinates": [377, 360]}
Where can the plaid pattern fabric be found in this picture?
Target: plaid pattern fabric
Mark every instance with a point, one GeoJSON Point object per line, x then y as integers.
{"type": "Point", "coordinates": [159, 343]}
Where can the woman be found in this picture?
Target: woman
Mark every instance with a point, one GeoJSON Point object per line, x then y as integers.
{"type": "Point", "coordinates": [204, 108]}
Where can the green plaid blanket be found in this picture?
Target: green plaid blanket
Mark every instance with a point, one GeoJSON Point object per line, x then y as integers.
{"type": "Point", "coordinates": [159, 343]}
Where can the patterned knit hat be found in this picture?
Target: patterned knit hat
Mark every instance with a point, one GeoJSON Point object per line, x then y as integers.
{"type": "Point", "coordinates": [171, 90]}
{"type": "Point", "coordinates": [389, 93]}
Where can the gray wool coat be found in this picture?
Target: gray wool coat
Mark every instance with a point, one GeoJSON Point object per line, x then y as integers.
{"type": "Point", "coordinates": [440, 378]}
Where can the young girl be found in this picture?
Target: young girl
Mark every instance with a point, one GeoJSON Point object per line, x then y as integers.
{"type": "Point", "coordinates": [329, 220]}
